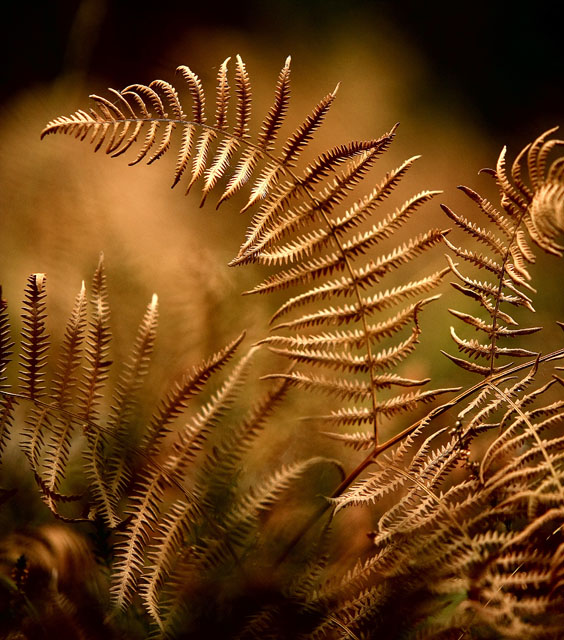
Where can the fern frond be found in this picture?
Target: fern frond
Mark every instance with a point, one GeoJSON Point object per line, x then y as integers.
{"type": "Point", "coordinates": [71, 350]}
{"type": "Point", "coordinates": [97, 347]}
{"type": "Point", "coordinates": [274, 118]}
{"type": "Point", "coordinates": [96, 372]}
{"type": "Point", "coordinates": [33, 356]}
{"type": "Point", "coordinates": [534, 210]}
{"type": "Point", "coordinates": [269, 131]}
{"type": "Point", "coordinates": [147, 498]}
{"type": "Point", "coordinates": [118, 123]}
{"type": "Point", "coordinates": [490, 329]}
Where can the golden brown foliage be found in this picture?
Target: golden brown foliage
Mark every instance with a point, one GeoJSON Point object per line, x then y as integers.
{"type": "Point", "coordinates": [465, 537]}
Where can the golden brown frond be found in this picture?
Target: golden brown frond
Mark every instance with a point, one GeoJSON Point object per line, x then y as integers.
{"type": "Point", "coordinates": [535, 211]}
{"type": "Point", "coordinates": [127, 391]}
{"type": "Point", "coordinates": [147, 500]}
{"type": "Point", "coordinates": [65, 380]}
{"type": "Point", "coordinates": [146, 117]}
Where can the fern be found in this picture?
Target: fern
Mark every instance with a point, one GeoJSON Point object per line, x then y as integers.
{"type": "Point", "coordinates": [533, 210]}
{"type": "Point", "coordinates": [154, 510]}
{"type": "Point", "coordinates": [464, 500]}
{"type": "Point", "coordinates": [299, 221]}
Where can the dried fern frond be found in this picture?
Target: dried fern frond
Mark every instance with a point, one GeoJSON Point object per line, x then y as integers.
{"type": "Point", "coordinates": [96, 372]}
{"type": "Point", "coordinates": [97, 346]}
{"type": "Point", "coordinates": [533, 211]}
{"type": "Point", "coordinates": [57, 450]}
{"type": "Point", "coordinates": [34, 354]}
{"type": "Point", "coordinates": [327, 249]}
{"type": "Point", "coordinates": [127, 389]}
{"type": "Point", "coordinates": [118, 123]}
{"type": "Point", "coordinates": [147, 497]}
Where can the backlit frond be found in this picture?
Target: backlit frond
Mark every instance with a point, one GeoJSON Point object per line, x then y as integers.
{"type": "Point", "coordinates": [528, 213]}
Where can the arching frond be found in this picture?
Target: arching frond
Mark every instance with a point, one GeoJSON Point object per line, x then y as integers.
{"type": "Point", "coordinates": [146, 117]}
{"type": "Point", "coordinates": [301, 220]}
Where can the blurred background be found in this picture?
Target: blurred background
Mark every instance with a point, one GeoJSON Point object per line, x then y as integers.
{"type": "Point", "coordinates": [462, 79]}
{"type": "Point", "coordinates": [499, 64]}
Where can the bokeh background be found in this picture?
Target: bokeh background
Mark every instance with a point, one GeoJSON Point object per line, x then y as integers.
{"type": "Point", "coordinates": [463, 79]}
